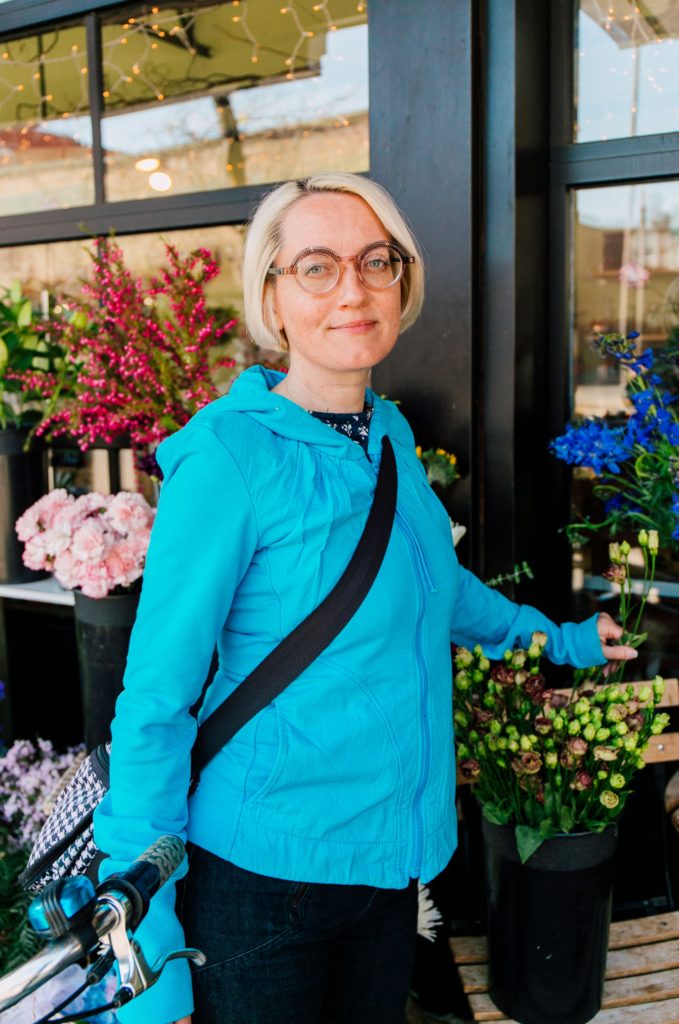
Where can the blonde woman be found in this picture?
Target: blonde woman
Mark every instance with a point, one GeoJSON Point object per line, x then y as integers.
{"type": "Point", "coordinates": [308, 831]}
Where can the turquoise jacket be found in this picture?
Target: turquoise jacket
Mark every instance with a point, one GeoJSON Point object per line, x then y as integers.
{"type": "Point", "coordinates": [349, 775]}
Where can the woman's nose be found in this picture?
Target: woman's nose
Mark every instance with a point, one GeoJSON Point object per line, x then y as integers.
{"type": "Point", "coordinates": [351, 286]}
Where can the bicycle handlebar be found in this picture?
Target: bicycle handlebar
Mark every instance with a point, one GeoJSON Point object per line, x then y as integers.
{"type": "Point", "coordinates": [120, 904]}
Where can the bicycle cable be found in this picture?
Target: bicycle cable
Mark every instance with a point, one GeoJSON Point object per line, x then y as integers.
{"type": "Point", "coordinates": [96, 973]}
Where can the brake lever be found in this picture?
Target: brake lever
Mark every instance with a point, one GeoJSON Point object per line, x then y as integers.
{"type": "Point", "coordinates": [136, 974]}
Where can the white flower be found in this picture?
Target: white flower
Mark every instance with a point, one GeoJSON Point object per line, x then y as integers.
{"type": "Point", "coordinates": [428, 914]}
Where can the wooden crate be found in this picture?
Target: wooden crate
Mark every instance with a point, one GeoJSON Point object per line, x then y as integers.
{"type": "Point", "coordinates": [642, 973]}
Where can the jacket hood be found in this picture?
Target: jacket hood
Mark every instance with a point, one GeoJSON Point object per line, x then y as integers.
{"type": "Point", "coordinates": [251, 394]}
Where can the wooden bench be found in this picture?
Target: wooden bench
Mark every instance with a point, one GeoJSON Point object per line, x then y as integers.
{"type": "Point", "coordinates": [642, 973]}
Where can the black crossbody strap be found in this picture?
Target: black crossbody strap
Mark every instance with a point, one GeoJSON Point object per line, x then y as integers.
{"type": "Point", "coordinates": [308, 640]}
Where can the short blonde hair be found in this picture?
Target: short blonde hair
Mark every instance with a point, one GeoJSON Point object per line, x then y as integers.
{"type": "Point", "coordinates": [264, 239]}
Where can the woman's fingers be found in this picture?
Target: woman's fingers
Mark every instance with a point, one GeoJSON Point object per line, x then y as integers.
{"type": "Point", "coordinates": [619, 652]}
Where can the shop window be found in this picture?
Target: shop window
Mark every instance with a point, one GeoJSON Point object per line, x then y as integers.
{"type": "Point", "coordinates": [626, 279]}
{"type": "Point", "coordinates": [232, 94]}
{"type": "Point", "coordinates": [627, 69]}
{"type": "Point", "coordinates": [45, 125]}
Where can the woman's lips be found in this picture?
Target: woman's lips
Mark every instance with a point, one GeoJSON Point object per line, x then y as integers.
{"type": "Point", "coordinates": [355, 326]}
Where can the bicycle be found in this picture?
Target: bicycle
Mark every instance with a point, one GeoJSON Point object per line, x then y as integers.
{"type": "Point", "coordinates": [91, 928]}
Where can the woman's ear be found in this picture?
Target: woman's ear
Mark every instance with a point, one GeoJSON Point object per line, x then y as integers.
{"type": "Point", "coordinates": [270, 309]}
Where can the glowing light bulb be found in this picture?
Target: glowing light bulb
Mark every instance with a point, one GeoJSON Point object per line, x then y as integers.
{"type": "Point", "coordinates": [160, 182]}
{"type": "Point", "coordinates": [147, 163]}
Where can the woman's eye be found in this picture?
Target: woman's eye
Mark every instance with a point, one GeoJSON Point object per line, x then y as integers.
{"type": "Point", "coordinates": [316, 269]}
{"type": "Point", "coordinates": [376, 263]}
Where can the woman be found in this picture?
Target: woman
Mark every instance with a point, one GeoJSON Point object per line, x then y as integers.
{"type": "Point", "coordinates": [311, 826]}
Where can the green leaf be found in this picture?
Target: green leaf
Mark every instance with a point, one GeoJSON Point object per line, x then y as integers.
{"type": "Point", "coordinates": [527, 841]}
{"type": "Point", "coordinates": [4, 355]}
{"type": "Point", "coordinates": [15, 292]}
{"type": "Point", "coordinates": [25, 314]}
{"type": "Point", "coordinates": [635, 639]}
{"type": "Point", "coordinates": [566, 819]}
{"type": "Point", "coordinates": [547, 829]}
{"type": "Point", "coordinates": [494, 814]}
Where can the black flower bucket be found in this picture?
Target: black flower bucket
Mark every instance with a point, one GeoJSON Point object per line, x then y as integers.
{"type": "Point", "coordinates": [548, 923]}
{"type": "Point", "coordinates": [103, 629]}
{"type": "Point", "coordinates": [23, 480]}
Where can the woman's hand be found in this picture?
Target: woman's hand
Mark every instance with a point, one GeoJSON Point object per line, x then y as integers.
{"type": "Point", "coordinates": [610, 631]}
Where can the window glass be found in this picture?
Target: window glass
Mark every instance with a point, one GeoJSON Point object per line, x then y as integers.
{"type": "Point", "coordinates": [626, 279]}
{"type": "Point", "coordinates": [206, 97]}
{"type": "Point", "coordinates": [627, 62]}
{"type": "Point", "coordinates": [45, 127]}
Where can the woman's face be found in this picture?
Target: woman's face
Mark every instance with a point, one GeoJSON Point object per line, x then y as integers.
{"type": "Point", "coordinates": [351, 327]}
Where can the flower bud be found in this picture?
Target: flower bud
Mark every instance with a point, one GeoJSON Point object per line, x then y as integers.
{"type": "Point", "coordinates": [659, 723]}
{"type": "Point", "coordinates": [631, 742]}
{"type": "Point", "coordinates": [617, 780]}
{"type": "Point", "coordinates": [602, 775]}
{"type": "Point", "coordinates": [653, 542]}
{"type": "Point", "coordinates": [463, 657]}
{"type": "Point", "coordinates": [495, 727]}
{"type": "Point", "coordinates": [602, 735]}
{"type": "Point", "coordinates": [539, 638]}
{"type": "Point", "coordinates": [658, 687]}
{"type": "Point", "coordinates": [551, 759]}
{"type": "Point", "coordinates": [582, 706]}
{"type": "Point", "coordinates": [625, 549]}
{"type": "Point", "coordinates": [615, 712]}
{"type": "Point", "coordinates": [477, 651]}
{"type": "Point", "coordinates": [484, 664]}
{"type": "Point", "coordinates": [589, 732]}
{"type": "Point", "coordinates": [477, 676]}
{"type": "Point", "coordinates": [525, 743]}
{"type": "Point", "coordinates": [462, 680]}
{"type": "Point", "coordinates": [462, 752]}
{"type": "Point", "coordinates": [605, 753]}
{"type": "Point", "coordinates": [470, 769]}
{"type": "Point", "coordinates": [614, 553]}
{"type": "Point", "coordinates": [582, 780]}
{"type": "Point", "coordinates": [609, 799]}
{"type": "Point", "coordinates": [644, 694]}
{"type": "Point", "coordinates": [573, 727]}
{"type": "Point", "coordinates": [512, 745]}
{"type": "Point", "coordinates": [643, 538]}
{"type": "Point", "coordinates": [519, 659]}
{"type": "Point", "coordinates": [534, 651]}
{"type": "Point", "coordinates": [461, 718]}
{"type": "Point", "coordinates": [622, 728]}
{"type": "Point", "coordinates": [577, 746]}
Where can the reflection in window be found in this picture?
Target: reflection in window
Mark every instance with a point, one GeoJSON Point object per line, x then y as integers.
{"type": "Point", "coordinates": [45, 128]}
{"type": "Point", "coordinates": [626, 279]}
{"type": "Point", "coordinates": [233, 94]}
{"type": "Point", "coordinates": [627, 60]}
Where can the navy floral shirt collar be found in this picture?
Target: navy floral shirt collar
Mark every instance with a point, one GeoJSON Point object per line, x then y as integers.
{"type": "Point", "coordinates": [355, 425]}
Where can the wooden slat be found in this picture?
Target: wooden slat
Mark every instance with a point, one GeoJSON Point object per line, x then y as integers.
{"type": "Point", "coordinates": [644, 988]}
{"type": "Point", "coordinates": [663, 748]}
{"type": "Point", "coordinates": [660, 1011]}
{"type": "Point", "coordinates": [665, 1012]}
{"type": "Point", "coordinates": [469, 949]}
{"type": "Point", "coordinates": [659, 956]}
{"type": "Point", "coordinates": [643, 930]}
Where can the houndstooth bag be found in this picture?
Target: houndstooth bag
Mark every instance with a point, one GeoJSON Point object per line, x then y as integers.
{"type": "Point", "coordinates": [65, 845]}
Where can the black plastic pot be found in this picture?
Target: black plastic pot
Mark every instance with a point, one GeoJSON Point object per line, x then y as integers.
{"type": "Point", "coordinates": [22, 482]}
{"type": "Point", "coordinates": [103, 628]}
{"type": "Point", "coordinates": [548, 922]}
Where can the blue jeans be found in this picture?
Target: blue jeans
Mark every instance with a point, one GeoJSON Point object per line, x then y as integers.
{"type": "Point", "coordinates": [283, 952]}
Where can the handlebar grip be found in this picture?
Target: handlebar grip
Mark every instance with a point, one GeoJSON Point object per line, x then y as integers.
{"type": "Point", "coordinates": [145, 876]}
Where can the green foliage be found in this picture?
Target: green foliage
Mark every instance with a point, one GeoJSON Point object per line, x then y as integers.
{"type": "Point", "coordinates": [18, 941]}
{"type": "Point", "coordinates": [24, 347]}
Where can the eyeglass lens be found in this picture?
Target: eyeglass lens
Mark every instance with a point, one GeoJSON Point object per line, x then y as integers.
{"type": "Point", "coordinates": [380, 267]}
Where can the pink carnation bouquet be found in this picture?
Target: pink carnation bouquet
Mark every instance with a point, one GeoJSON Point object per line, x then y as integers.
{"type": "Point", "coordinates": [96, 543]}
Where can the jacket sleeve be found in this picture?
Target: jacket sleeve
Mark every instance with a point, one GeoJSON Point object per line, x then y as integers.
{"type": "Point", "coordinates": [483, 616]}
{"type": "Point", "coordinates": [202, 542]}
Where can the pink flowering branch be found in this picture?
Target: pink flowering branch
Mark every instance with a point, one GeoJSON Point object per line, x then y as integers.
{"type": "Point", "coordinates": [139, 358]}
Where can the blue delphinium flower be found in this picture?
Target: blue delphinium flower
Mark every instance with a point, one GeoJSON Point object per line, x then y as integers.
{"type": "Point", "coordinates": [675, 510]}
{"type": "Point", "coordinates": [593, 444]}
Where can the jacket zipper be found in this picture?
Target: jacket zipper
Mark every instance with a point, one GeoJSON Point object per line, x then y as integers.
{"type": "Point", "coordinates": [422, 574]}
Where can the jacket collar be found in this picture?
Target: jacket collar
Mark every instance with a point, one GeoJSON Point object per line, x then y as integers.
{"type": "Point", "coordinates": [251, 394]}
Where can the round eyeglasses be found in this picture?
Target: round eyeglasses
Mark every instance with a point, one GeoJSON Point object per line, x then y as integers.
{"type": "Point", "coordinates": [318, 270]}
